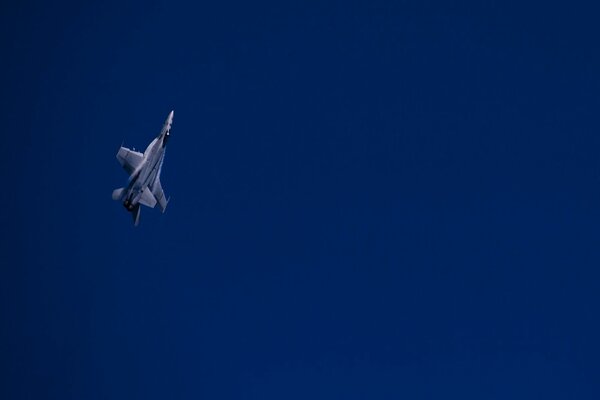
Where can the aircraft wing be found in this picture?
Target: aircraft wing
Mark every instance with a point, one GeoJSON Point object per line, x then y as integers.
{"type": "Point", "coordinates": [159, 194]}
{"type": "Point", "coordinates": [129, 159]}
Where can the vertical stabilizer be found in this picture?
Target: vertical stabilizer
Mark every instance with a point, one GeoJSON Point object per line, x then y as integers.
{"type": "Point", "coordinates": [135, 213]}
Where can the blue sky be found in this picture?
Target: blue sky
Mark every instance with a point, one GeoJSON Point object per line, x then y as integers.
{"type": "Point", "coordinates": [384, 200]}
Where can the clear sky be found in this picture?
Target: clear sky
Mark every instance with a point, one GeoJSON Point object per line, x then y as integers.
{"type": "Point", "coordinates": [369, 200]}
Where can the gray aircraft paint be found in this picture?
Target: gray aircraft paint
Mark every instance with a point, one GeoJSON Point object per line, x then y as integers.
{"type": "Point", "coordinates": [144, 187]}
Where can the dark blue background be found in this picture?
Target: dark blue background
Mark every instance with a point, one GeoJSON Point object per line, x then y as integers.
{"type": "Point", "coordinates": [369, 201]}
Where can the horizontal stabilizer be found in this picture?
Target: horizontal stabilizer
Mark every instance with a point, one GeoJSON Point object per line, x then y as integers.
{"type": "Point", "coordinates": [117, 194]}
{"type": "Point", "coordinates": [159, 194]}
{"type": "Point", "coordinates": [147, 198]}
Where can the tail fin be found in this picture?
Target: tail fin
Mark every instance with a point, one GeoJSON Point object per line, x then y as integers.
{"type": "Point", "coordinates": [135, 213]}
{"type": "Point", "coordinates": [117, 194]}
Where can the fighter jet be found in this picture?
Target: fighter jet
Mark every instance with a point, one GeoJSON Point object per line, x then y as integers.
{"type": "Point", "coordinates": [144, 174]}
